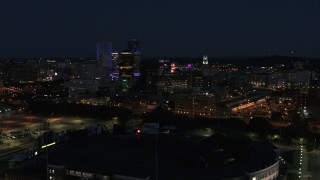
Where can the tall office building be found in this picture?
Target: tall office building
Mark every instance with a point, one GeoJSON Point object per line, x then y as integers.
{"type": "Point", "coordinates": [164, 67]}
{"type": "Point", "coordinates": [115, 64]}
{"type": "Point", "coordinates": [205, 60]}
{"type": "Point", "coordinates": [115, 59]}
{"type": "Point", "coordinates": [134, 48]}
{"type": "Point", "coordinates": [126, 65]}
{"type": "Point", "coordinates": [126, 69]}
{"type": "Point", "coordinates": [104, 54]}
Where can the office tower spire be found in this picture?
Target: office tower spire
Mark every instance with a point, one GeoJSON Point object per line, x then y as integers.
{"type": "Point", "coordinates": [205, 60]}
{"type": "Point", "coordinates": [104, 54]}
{"type": "Point", "coordinates": [134, 45]}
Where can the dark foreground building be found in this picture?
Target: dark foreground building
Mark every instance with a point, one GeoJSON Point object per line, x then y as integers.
{"type": "Point", "coordinates": [163, 157]}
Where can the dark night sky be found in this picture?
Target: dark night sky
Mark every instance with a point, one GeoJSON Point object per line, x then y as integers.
{"type": "Point", "coordinates": [70, 28]}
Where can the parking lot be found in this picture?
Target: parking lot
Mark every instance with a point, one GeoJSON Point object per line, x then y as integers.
{"type": "Point", "coordinates": [17, 130]}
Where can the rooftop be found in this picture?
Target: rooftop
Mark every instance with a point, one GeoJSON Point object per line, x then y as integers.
{"type": "Point", "coordinates": [214, 157]}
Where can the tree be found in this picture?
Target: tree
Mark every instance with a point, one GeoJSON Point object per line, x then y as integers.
{"type": "Point", "coordinates": [158, 116]}
{"type": "Point", "coordinates": [260, 126]}
{"type": "Point", "coordinates": [310, 146]}
{"type": "Point", "coordinates": [315, 129]}
{"type": "Point", "coordinates": [276, 116]}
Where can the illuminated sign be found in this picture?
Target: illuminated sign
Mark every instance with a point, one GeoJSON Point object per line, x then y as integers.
{"type": "Point", "coordinates": [80, 174]}
{"type": "Point", "coordinates": [45, 146]}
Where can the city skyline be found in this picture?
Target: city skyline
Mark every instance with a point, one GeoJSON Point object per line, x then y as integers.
{"type": "Point", "coordinates": [167, 28]}
{"type": "Point", "coordinates": [170, 89]}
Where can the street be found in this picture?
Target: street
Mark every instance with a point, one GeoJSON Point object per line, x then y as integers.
{"type": "Point", "coordinates": [314, 159]}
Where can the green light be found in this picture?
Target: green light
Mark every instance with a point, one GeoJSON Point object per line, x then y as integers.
{"type": "Point", "coordinates": [48, 145]}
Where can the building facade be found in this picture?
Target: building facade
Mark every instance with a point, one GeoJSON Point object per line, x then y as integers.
{"type": "Point", "coordinates": [202, 104]}
{"type": "Point", "coordinates": [104, 54]}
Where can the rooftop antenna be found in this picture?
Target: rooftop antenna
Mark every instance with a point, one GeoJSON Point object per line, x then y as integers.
{"type": "Point", "coordinates": [292, 53]}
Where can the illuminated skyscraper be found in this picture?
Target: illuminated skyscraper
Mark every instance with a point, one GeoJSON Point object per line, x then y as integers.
{"type": "Point", "coordinates": [126, 64]}
{"type": "Point", "coordinates": [164, 67]}
{"type": "Point", "coordinates": [134, 48]}
{"type": "Point", "coordinates": [126, 69]}
{"type": "Point", "coordinates": [104, 54]}
{"type": "Point", "coordinates": [115, 58]}
{"type": "Point", "coordinates": [205, 60]}
{"type": "Point", "coordinates": [115, 63]}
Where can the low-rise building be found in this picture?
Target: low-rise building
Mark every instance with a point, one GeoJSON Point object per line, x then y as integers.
{"type": "Point", "coordinates": [200, 104]}
{"type": "Point", "coordinates": [137, 158]}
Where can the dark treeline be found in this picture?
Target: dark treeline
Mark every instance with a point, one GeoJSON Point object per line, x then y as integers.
{"type": "Point", "coordinates": [70, 109]}
{"type": "Point", "coordinates": [168, 118]}
{"type": "Point", "coordinates": [259, 126]}
{"type": "Point", "coordinates": [240, 61]}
